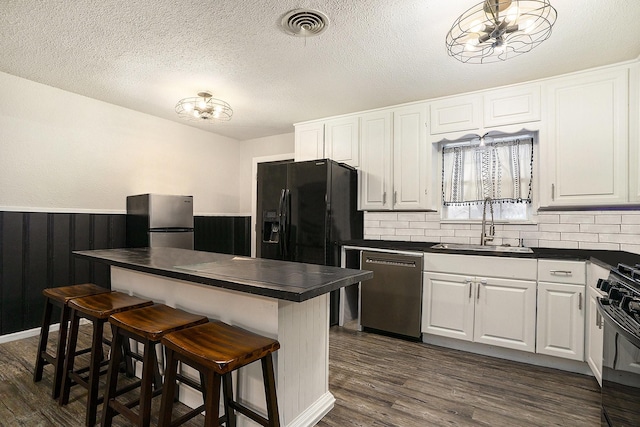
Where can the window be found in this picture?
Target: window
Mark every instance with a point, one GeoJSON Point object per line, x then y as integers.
{"type": "Point", "coordinates": [499, 168]}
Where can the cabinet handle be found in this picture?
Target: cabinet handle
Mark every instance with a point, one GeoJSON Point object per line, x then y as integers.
{"type": "Point", "coordinates": [580, 301]}
{"type": "Point", "coordinates": [478, 293]}
{"type": "Point", "coordinates": [395, 198]}
{"type": "Point", "coordinates": [599, 320]}
{"type": "Point", "coordinates": [566, 272]}
{"type": "Point", "coordinates": [553, 191]}
{"type": "Point", "coordinates": [469, 289]}
{"type": "Point", "coordinates": [384, 198]}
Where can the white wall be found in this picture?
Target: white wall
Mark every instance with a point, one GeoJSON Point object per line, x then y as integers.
{"type": "Point", "coordinates": [63, 152]}
{"type": "Point", "coordinates": [259, 147]}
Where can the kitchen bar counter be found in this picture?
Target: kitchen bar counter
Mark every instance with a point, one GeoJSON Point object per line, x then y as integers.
{"type": "Point", "coordinates": [270, 278]}
{"type": "Point", "coordinates": [282, 300]}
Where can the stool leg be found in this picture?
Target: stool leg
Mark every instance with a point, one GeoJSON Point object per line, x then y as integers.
{"type": "Point", "coordinates": [270, 390]}
{"type": "Point", "coordinates": [94, 372]}
{"type": "Point", "coordinates": [212, 400]}
{"type": "Point", "coordinates": [227, 395]}
{"type": "Point", "coordinates": [112, 376]}
{"type": "Point", "coordinates": [60, 350]}
{"type": "Point", "coordinates": [42, 345]}
{"type": "Point", "coordinates": [149, 367]}
{"type": "Point", "coordinates": [169, 389]}
{"type": "Point", "coordinates": [69, 358]}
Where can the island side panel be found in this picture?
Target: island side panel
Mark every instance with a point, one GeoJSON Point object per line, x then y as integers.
{"type": "Point", "coordinates": [304, 335]}
{"type": "Point", "coordinates": [301, 364]}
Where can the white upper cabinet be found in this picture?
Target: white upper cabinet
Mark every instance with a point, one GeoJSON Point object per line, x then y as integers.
{"type": "Point", "coordinates": [634, 133]}
{"type": "Point", "coordinates": [395, 158]}
{"type": "Point", "coordinates": [585, 150]}
{"type": "Point", "coordinates": [336, 139]}
{"type": "Point", "coordinates": [411, 179]}
{"type": "Point", "coordinates": [342, 140]}
{"type": "Point", "coordinates": [456, 114]}
{"type": "Point", "coordinates": [511, 105]}
{"type": "Point", "coordinates": [375, 178]}
{"type": "Point", "coordinates": [309, 141]}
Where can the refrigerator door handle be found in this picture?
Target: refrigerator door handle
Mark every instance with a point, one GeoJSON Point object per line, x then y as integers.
{"type": "Point", "coordinates": [281, 223]}
{"type": "Point", "coordinates": [285, 228]}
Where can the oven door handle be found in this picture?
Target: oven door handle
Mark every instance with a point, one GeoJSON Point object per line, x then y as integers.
{"type": "Point", "coordinates": [617, 326]}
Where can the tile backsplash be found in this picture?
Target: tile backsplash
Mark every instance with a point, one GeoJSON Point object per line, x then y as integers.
{"type": "Point", "coordinates": [610, 230]}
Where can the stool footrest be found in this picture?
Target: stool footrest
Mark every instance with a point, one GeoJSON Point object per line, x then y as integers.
{"type": "Point", "coordinates": [249, 413]}
{"type": "Point", "coordinates": [191, 414]}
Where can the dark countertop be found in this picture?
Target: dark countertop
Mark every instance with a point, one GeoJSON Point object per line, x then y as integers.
{"type": "Point", "coordinates": [605, 259]}
{"type": "Point", "coordinates": [283, 280]}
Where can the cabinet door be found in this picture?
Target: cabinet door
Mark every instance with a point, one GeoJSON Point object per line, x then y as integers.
{"type": "Point", "coordinates": [587, 140]}
{"type": "Point", "coordinates": [518, 104]}
{"type": "Point", "coordinates": [447, 305]}
{"type": "Point", "coordinates": [505, 313]}
{"type": "Point", "coordinates": [561, 312]}
{"type": "Point", "coordinates": [456, 114]}
{"type": "Point", "coordinates": [410, 176]}
{"type": "Point", "coordinates": [341, 140]}
{"type": "Point", "coordinates": [594, 336]}
{"type": "Point", "coordinates": [309, 141]}
{"type": "Point", "coordinates": [375, 177]}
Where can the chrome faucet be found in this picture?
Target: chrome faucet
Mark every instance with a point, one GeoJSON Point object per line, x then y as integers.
{"type": "Point", "coordinates": [487, 237]}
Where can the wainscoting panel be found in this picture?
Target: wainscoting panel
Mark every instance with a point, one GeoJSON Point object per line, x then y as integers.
{"type": "Point", "coordinates": [35, 253]}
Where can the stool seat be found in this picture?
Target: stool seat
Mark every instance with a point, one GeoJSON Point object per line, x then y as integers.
{"type": "Point", "coordinates": [155, 321]}
{"type": "Point", "coordinates": [64, 294]}
{"type": "Point", "coordinates": [220, 346]}
{"type": "Point", "coordinates": [97, 309]}
{"type": "Point", "coordinates": [102, 306]}
{"type": "Point", "coordinates": [60, 297]}
{"type": "Point", "coordinates": [147, 326]}
{"type": "Point", "coordinates": [216, 349]}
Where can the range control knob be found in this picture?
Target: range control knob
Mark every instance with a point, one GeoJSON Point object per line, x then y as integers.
{"type": "Point", "coordinates": [616, 294]}
{"type": "Point", "coordinates": [604, 285]}
{"type": "Point", "coordinates": [634, 306]}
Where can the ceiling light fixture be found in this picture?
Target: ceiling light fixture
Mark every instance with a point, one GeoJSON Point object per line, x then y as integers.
{"type": "Point", "coordinates": [496, 30]}
{"type": "Point", "coordinates": [204, 108]}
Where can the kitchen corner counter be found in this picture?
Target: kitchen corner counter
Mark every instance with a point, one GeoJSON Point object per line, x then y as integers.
{"type": "Point", "coordinates": [270, 278]}
{"type": "Point", "coordinates": [606, 259]}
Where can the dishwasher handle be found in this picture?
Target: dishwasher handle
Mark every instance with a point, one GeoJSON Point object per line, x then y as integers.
{"type": "Point", "coordinates": [393, 262]}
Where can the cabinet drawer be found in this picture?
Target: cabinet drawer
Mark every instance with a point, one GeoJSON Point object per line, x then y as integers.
{"type": "Point", "coordinates": [572, 272]}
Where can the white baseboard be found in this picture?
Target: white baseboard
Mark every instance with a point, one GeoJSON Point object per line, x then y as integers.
{"type": "Point", "coordinates": [314, 413]}
{"type": "Point", "coordinates": [32, 332]}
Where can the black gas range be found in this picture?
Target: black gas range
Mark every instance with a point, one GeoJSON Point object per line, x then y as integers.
{"type": "Point", "coordinates": [620, 311]}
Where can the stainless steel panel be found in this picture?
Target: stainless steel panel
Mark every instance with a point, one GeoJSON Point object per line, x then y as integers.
{"type": "Point", "coordinates": [171, 239]}
{"type": "Point", "coordinates": [392, 300]}
{"type": "Point", "coordinates": [162, 211]}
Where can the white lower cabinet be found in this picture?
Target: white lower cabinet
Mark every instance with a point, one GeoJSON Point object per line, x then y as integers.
{"type": "Point", "coordinates": [560, 325]}
{"type": "Point", "coordinates": [489, 310]}
{"type": "Point", "coordinates": [561, 308]}
{"type": "Point", "coordinates": [595, 335]}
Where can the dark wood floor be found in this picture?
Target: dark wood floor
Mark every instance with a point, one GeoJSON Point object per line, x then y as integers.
{"type": "Point", "coordinates": [377, 381]}
{"type": "Point", "coordinates": [383, 381]}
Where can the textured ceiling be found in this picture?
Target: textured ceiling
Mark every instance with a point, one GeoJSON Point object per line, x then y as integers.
{"type": "Point", "coordinates": [148, 54]}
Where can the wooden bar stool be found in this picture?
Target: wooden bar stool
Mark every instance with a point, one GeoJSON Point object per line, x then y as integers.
{"type": "Point", "coordinates": [147, 326]}
{"type": "Point", "coordinates": [59, 297]}
{"type": "Point", "coordinates": [97, 309]}
{"type": "Point", "coordinates": [216, 349]}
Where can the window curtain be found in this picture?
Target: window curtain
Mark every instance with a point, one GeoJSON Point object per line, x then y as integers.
{"type": "Point", "coordinates": [501, 169]}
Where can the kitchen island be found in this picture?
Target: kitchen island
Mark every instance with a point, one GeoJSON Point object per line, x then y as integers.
{"type": "Point", "coordinates": [282, 300]}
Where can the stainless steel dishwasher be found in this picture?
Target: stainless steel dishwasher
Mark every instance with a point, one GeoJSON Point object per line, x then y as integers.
{"type": "Point", "coordinates": [392, 300]}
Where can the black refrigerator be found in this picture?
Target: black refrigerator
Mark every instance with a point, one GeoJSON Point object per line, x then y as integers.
{"type": "Point", "coordinates": [305, 209]}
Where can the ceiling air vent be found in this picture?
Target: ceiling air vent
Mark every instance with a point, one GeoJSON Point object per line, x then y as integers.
{"type": "Point", "coordinates": [304, 22]}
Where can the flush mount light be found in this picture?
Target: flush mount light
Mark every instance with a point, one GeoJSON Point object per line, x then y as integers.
{"type": "Point", "coordinates": [496, 30]}
{"type": "Point", "coordinates": [204, 108]}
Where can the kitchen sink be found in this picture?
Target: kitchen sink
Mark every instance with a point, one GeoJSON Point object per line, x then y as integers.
{"type": "Point", "coordinates": [483, 248]}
